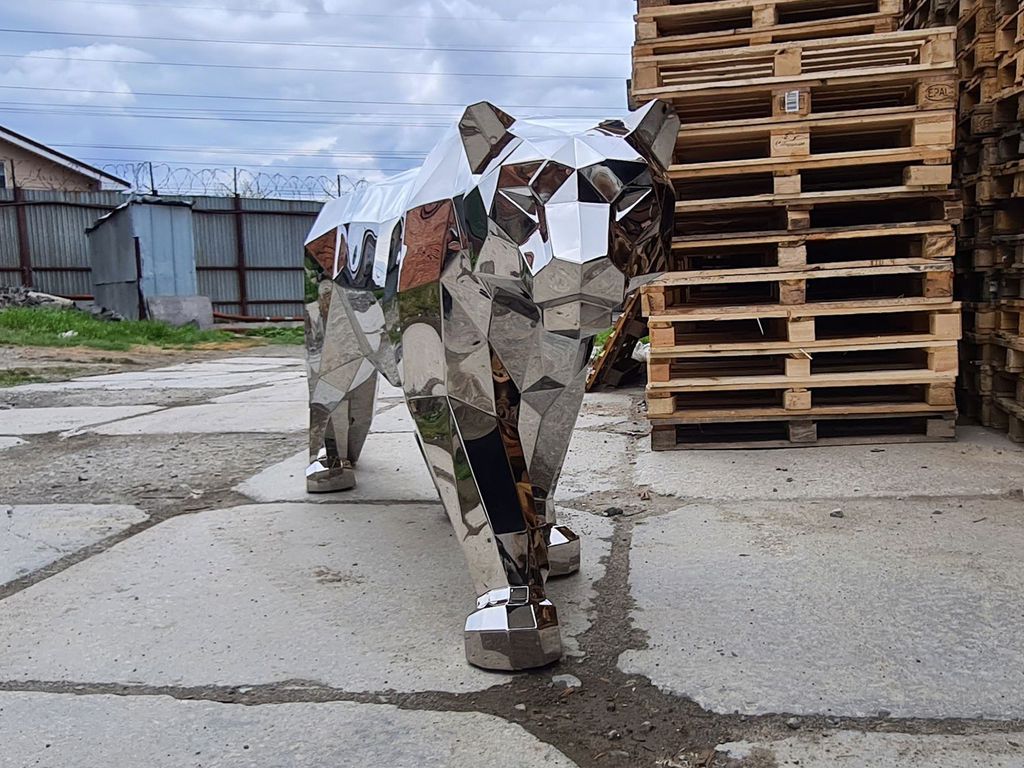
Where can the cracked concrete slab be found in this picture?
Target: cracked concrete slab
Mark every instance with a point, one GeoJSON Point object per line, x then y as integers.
{"type": "Point", "coordinates": [39, 421]}
{"type": "Point", "coordinates": [355, 596]}
{"type": "Point", "coordinates": [211, 418]}
{"type": "Point", "coordinates": [35, 535]}
{"type": "Point", "coordinates": [778, 607]}
{"type": "Point", "coordinates": [394, 419]}
{"type": "Point", "coordinates": [162, 732]}
{"type": "Point", "coordinates": [594, 463]}
{"type": "Point", "coordinates": [391, 468]}
{"type": "Point", "coordinates": [982, 462]}
{"type": "Point", "coordinates": [854, 749]}
{"type": "Point", "coordinates": [296, 390]}
{"type": "Point", "coordinates": [183, 379]}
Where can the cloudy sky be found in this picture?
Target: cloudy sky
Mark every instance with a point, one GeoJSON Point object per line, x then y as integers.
{"type": "Point", "coordinates": [299, 87]}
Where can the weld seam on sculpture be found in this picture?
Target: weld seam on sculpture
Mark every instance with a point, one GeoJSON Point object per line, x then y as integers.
{"type": "Point", "coordinates": [477, 284]}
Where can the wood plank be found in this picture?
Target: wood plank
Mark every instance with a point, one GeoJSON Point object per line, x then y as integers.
{"type": "Point", "coordinates": [805, 198]}
{"type": "Point", "coordinates": [868, 306]}
{"type": "Point", "coordinates": [811, 272]}
{"type": "Point", "coordinates": [851, 344]}
{"type": "Point", "coordinates": [821, 234]}
{"type": "Point", "coordinates": [688, 171]}
{"type": "Point", "coordinates": [867, 76]}
{"type": "Point", "coordinates": [710, 415]}
{"type": "Point", "coordinates": [824, 381]}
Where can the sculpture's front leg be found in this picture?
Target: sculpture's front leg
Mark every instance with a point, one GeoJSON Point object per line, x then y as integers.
{"type": "Point", "coordinates": [477, 462]}
{"type": "Point", "coordinates": [551, 418]}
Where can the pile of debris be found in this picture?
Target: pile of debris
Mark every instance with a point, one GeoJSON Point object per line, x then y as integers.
{"type": "Point", "coordinates": [18, 296]}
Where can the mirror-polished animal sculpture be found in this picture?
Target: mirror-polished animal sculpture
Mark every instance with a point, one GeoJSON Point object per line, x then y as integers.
{"type": "Point", "coordinates": [477, 284]}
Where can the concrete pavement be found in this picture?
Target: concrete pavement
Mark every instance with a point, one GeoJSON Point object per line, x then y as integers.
{"type": "Point", "coordinates": [162, 568]}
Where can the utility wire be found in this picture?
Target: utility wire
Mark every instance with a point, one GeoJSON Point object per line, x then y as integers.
{"type": "Point", "coordinates": [207, 65]}
{"type": "Point", "coordinates": [263, 168]}
{"type": "Point", "coordinates": [403, 17]}
{"type": "Point", "coordinates": [388, 154]}
{"type": "Point", "coordinates": [294, 100]}
{"type": "Point", "coordinates": [79, 113]}
{"type": "Point", "coordinates": [302, 44]}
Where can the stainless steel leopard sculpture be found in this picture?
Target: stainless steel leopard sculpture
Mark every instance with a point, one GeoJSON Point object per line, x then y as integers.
{"type": "Point", "coordinates": [477, 284]}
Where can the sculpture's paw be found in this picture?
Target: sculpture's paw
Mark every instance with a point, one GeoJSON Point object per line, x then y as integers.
{"type": "Point", "coordinates": [563, 551]}
{"type": "Point", "coordinates": [322, 478]}
{"type": "Point", "coordinates": [514, 634]}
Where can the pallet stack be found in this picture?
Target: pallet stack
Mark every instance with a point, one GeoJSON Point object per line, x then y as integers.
{"type": "Point", "coordinates": [990, 173]}
{"type": "Point", "coordinates": [811, 298]}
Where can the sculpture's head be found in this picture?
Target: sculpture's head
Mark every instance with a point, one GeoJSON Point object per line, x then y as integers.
{"type": "Point", "coordinates": [580, 207]}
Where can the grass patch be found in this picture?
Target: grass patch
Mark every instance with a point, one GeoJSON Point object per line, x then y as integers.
{"type": "Point", "coordinates": [23, 327]}
{"type": "Point", "coordinates": [16, 376]}
{"type": "Point", "coordinates": [278, 335]}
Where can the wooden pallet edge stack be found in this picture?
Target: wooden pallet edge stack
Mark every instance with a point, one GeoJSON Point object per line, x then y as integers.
{"type": "Point", "coordinates": [802, 309]}
{"type": "Point", "coordinates": [614, 365]}
{"type": "Point", "coordinates": [990, 172]}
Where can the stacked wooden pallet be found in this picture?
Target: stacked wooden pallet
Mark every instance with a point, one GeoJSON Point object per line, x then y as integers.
{"type": "Point", "coordinates": [990, 171]}
{"type": "Point", "coordinates": [811, 297]}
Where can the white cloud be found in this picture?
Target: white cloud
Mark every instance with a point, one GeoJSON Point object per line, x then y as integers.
{"type": "Point", "coordinates": [62, 68]}
{"type": "Point", "coordinates": [367, 147]}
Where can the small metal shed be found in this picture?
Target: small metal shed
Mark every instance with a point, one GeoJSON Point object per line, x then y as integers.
{"type": "Point", "coordinates": [142, 253]}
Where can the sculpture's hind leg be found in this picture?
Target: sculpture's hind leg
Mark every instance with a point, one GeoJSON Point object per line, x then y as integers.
{"type": "Point", "coordinates": [342, 389]}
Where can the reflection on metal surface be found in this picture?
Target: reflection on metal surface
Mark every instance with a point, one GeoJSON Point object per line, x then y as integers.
{"type": "Point", "coordinates": [477, 283]}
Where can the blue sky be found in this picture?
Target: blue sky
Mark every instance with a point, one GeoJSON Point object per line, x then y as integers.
{"type": "Point", "coordinates": [105, 95]}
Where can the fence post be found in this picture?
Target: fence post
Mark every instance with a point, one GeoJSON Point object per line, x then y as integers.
{"type": "Point", "coordinates": [243, 293]}
{"type": "Point", "coordinates": [21, 219]}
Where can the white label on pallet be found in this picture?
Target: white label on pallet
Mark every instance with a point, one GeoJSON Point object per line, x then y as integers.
{"type": "Point", "coordinates": [792, 101]}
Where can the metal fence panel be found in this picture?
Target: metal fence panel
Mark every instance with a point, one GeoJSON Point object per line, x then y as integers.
{"type": "Point", "coordinates": [273, 232]}
{"type": "Point", "coordinates": [8, 239]}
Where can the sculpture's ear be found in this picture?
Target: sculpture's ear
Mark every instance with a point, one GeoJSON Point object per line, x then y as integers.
{"type": "Point", "coordinates": [484, 130]}
{"type": "Point", "coordinates": [654, 131]}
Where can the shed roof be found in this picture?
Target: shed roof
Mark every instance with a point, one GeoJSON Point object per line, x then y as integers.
{"type": "Point", "coordinates": [33, 146]}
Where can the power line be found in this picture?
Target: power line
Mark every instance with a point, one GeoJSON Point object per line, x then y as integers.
{"type": "Point", "coordinates": [389, 154]}
{"type": "Point", "coordinates": [294, 100]}
{"type": "Point", "coordinates": [179, 6]}
{"type": "Point", "coordinates": [300, 44]}
{"type": "Point", "coordinates": [79, 113]}
{"type": "Point", "coordinates": [199, 65]}
{"type": "Point", "coordinates": [445, 118]}
{"type": "Point", "coordinates": [261, 168]}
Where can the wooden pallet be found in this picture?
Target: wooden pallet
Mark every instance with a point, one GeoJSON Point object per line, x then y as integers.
{"type": "Point", "coordinates": [713, 19]}
{"type": "Point", "coordinates": [860, 24]}
{"type": "Point", "coordinates": [848, 60]}
{"type": "Point", "coordinates": [1009, 416]}
{"type": "Point", "coordinates": [805, 327]}
{"type": "Point", "coordinates": [1010, 70]}
{"type": "Point", "coordinates": [615, 365]}
{"type": "Point", "coordinates": [823, 428]}
{"type": "Point", "coordinates": [856, 281]}
{"type": "Point", "coordinates": [922, 14]}
{"type": "Point", "coordinates": [1009, 26]}
{"type": "Point", "coordinates": [792, 137]}
{"type": "Point", "coordinates": [797, 209]}
{"type": "Point", "coordinates": [826, 245]}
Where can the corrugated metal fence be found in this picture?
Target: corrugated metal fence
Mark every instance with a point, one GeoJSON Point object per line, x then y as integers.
{"type": "Point", "coordinates": [248, 251]}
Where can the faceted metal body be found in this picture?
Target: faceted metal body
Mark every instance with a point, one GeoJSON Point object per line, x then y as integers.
{"type": "Point", "coordinates": [476, 284]}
